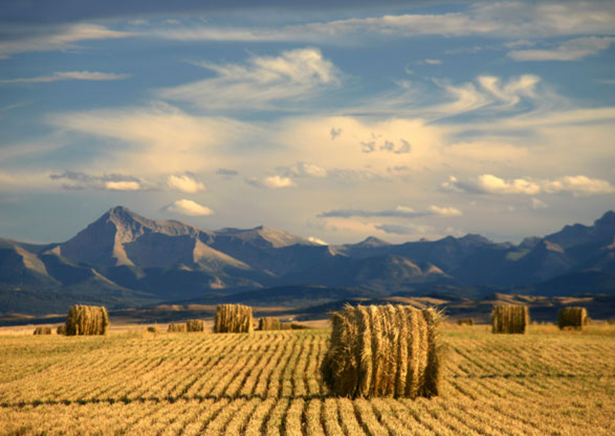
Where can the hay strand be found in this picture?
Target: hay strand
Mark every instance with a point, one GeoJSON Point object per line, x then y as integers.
{"type": "Point", "coordinates": [388, 351]}
{"type": "Point", "coordinates": [572, 318]}
{"type": "Point", "coordinates": [87, 320]}
{"type": "Point", "coordinates": [233, 318]}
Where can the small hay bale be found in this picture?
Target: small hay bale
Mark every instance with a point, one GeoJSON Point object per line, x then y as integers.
{"type": "Point", "coordinates": [465, 321]}
{"type": "Point", "coordinates": [295, 326]}
{"type": "Point", "coordinates": [61, 330]}
{"type": "Point", "coordinates": [286, 326]}
{"type": "Point", "coordinates": [195, 325]}
{"type": "Point", "coordinates": [269, 323]}
{"type": "Point", "coordinates": [572, 318]}
{"type": "Point", "coordinates": [233, 318]}
{"type": "Point", "coordinates": [153, 329]}
{"type": "Point", "coordinates": [510, 319]}
{"type": "Point", "coordinates": [390, 351]}
{"type": "Point", "coordinates": [87, 320]}
{"type": "Point", "coordinates": [42, 331]}
{"type": "Point", "coordinates": [176, 328]}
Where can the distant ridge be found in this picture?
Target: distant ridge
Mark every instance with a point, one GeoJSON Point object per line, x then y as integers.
{"type": "Point", "coordinates": [128, 259]}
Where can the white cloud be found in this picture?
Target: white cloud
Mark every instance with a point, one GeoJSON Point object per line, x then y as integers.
{"type": "Point", "coordinates": [160, 139]}
{"type": "Point", "coordinates": [317, 241]}
{"type": "Point", "coordinates": [69, 75]}
{"type": "Point", "coordinates": [303, 169]}
{"type": "Point", "coordinates": [445, 211]}
{"type": "Point", "coordinates": [271, 182]}
{"type": "Point", "coordinates": [123, 186]}
{"type": "Point", "coordinates": [502, 19]}
{"type": "Point", "coordinates": [185, 183]}
{"type": "Point", "coordinates": [490, 184]}
{"type": "Point", "coordinates": [188, 207]}
{"type": "Point", "coordinates": [539, 204]}
{"type": "Point", "coordinates": [264, 82]}
{"type": "Point", "coordinates": [46, 38]}
{"type": "Point", "coordinates": [580, 185]}
{"type": "Point", "coordinates": [573, 50]}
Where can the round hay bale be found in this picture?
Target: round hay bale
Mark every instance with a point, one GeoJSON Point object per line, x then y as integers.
{"type": "Point", "coordinates": [388, 351]}
{"type": "Point", "coordinates": [269, 323]}
{"type": "Point", "coordinates": [176, 328]}
{"type": "Point", "coordinates": [465, 321]}
{"type": "Point", "coordinates": [42, 331]}
{"type": "Point", "coordinates": [61, 330]}
{"type": "Point", "coordinates": [510, 319]}
{"type": "Point", "coordinates": [195, 325]}
{"type": "Point", "coordinates": [572, 318]}
{"type": "Point", "coordinates": [87, 320]}
{"type": "Point", "coordinates": [233, 318]}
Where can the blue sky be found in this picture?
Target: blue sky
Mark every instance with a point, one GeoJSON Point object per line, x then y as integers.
{"type": "Point", "coordinates": [333, 120]}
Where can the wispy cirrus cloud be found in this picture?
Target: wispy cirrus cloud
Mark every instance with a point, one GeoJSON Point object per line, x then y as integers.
{"type": "Point", "coordinates": [28, 38]}
{"type": "Point", "coordinates": [398, 212]}
{"type": "Point", "coordinates": [69, 75]}
{"type": "Point", "coordinates": [263, 82]}
{"type": "Point", "coordinates": [572, 50]}
{"type": "Point", "coordinates": [502, 19]}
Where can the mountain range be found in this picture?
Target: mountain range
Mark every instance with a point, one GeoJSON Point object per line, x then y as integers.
{"type": "Point", "coordinates": [126, 260]}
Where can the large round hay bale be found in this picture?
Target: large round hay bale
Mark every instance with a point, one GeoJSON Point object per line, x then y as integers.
{"type": "Point", "coordinates": [269, 323]}
{"type": "Point", "coordinates": [42, 331]}
{"type": "Point", "coordinates": [510, 319]}
{"type": "Point", "coordinates": [383, 351]}
{"type": "Point", "coordinates": [195, 325]}
{"type": "Point", "coordinates": [572, 318]}
{"type": "Point", "coordinates": [87, 320]}
{"type": "Point", "coordinates": [61, 330]}
{"type": "Point", "coordinates": [233, 318]}
{"type": "Point", "coordinates": [176, 328]}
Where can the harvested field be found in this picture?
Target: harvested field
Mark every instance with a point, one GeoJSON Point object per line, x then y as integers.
{"type": "Point", "coordinates": [268, 383]}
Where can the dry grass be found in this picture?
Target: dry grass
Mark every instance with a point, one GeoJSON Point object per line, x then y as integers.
{"type": "Point", "coordinates": [195, 325]}
{"type": "Point", "coordinates": [572, 318]}
{"type": "Point", "coordinates": [268, 384]}
{"type": "Point", "coordinates": [383, 351]}
{"type": "Point", "coordinates": [42, 331]}
{"type": "Point", "coordinates": [510, 319]}
{"type": "Point", "coordinates": [176, 328]}
{"type": "Point", "coordinates": [87, 320]}
{"type": "Point", "coordinates": [233, 318]}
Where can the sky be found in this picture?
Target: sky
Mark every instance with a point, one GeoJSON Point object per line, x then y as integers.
{"type": "Point", "coordinates": [332, 120]}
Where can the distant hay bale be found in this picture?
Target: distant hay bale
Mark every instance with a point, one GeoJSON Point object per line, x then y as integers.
{"type": "Point", "coordinates": [390, 351]}
{"type": "Point", "coordinates": [269, 323]}
{"type": "Point", "coordinates": [465, 321]}
{"type": "Point", "coordinates": [233, 318]}
{"type": "Point", "coordinates": [510, 319]}
{"type": "Point", "coordinates": [295, 326]}
{"type": "Point", "coordinates": [176, 328]}
{"type": "Point", "coordinates": [42, 331]}
{"type": "Point", "coordinates": [572, 318]}
{"type": "Point", "coordinates": [61, 330]}
{"type": "Point", "coordinates": [87, 320]}
{"type": "Point", "coordinates": [195, 325]}
{"type": "Point", "coordinates": [153, 329]}
{"type": "Point", "coordinates": [286, 326]}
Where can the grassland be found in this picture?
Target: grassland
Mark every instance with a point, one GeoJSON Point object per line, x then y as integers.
{"type": "Point", "coordinates": [546, 382]}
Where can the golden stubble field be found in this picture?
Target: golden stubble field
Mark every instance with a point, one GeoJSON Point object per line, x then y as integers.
{"type": "Point", "coordinates": [131, 382]}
